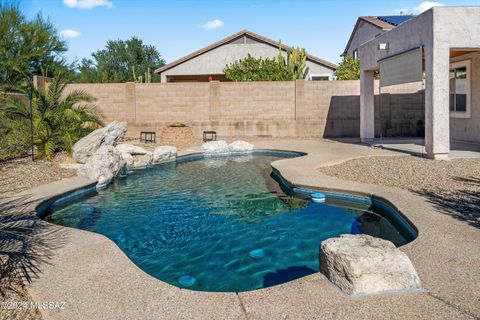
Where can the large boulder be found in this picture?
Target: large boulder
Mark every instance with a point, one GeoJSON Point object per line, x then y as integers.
{"type": "Point", "coordinates": [362, 264]}
{"type": "Point", "coordinates": [215, 147]}
{"type": "Point", "coordinates": [164, 154]}
{"type": "Point", "coordinates": [128, 158]}
{"type": "Point", "coordinates": [103, 165]}
{"type": "Point", "coordinates": [141, 161]}
{"type": "Point", "coordinates": [135, 157]}
{"type": "Point", "coordinates": [130, 149]}
{"type": "Point", "coordinates": [240, 146]}
{"type": "Point", "coordinates": [106, 136]}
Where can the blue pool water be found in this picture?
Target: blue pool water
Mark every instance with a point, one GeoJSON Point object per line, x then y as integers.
{"type": "Point", "coordinates": [219, 224]}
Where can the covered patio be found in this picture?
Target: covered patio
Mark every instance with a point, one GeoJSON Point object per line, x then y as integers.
{"type": "Point", "coordinates": [442, 48]}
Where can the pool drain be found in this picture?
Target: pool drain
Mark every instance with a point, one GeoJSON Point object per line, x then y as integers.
{"type": "Point", "coordinates": [257, 253]}
{"type": "Point", "coordinates": [186, 281]}
{"type": "Point", "coordinates": [318, 197]}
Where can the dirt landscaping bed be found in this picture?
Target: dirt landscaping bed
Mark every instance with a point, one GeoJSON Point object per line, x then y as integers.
{"type": "Point", "coordinates": [452, 186]}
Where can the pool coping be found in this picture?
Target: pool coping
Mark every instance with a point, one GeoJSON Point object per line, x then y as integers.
{"type": "Point", "coordinates": [247, 302]}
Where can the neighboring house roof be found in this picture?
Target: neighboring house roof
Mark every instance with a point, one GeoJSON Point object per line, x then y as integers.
{"type": "Point", "coordinates": [384, 23]}
{"type": "Point", "coordinates": [234, 37]}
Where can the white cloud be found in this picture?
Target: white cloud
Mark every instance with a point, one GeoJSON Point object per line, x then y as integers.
{"type": "Point", "coordinates": [69, 33]}
{"type": "Point", "coordinates": [214, 24]}
{"type": "Point", "coordinates": [88, 4]}
{"type": "Point", "coordinates": [422, 7]}
{"type": "Point", "coordinates": [425, 5]}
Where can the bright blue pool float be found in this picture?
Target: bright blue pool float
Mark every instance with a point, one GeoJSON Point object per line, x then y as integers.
{"type": "Point", "coordinates": [318, 197]}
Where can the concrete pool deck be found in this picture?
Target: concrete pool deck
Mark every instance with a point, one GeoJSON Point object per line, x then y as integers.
{"type": "Point", "coordinates": [96, 280]}
{"type": "Point", "coordinates": [416, 146]}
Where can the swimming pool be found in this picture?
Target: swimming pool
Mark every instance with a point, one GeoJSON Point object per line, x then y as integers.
{"type": "Point", "coordinates": [223, 223]}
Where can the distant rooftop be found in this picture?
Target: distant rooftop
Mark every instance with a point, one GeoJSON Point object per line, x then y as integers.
{"type": "Point", "coordinates": [385, 23]}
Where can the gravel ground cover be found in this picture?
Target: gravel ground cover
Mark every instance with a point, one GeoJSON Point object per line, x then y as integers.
{"type": "Point", "coordinates": [452, 186]}
{"type": "Point", "coordinates": [22, 174]}
{"type": "Point", "coordinates": [18, 233]}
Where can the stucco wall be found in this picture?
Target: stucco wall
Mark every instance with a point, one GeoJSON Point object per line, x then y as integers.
{"type": "Point", "coordinates": [411, 34]}
{"type": "Point", "coordinates": [214, 61]}
{"type": "Point", "coordinates": [274, 109]}
{"type": "Point", "coordinates": [365, 32]}
{"type": "Point", "coordinates": [438, 30]}
{"type": "Point", "coordinates": [469, 129]}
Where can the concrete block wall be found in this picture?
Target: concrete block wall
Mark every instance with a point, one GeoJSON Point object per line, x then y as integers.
{"type": "Point", "coordinates": [270, 109]}
{"type": "Point", "coordinates": [160, 104]}
{"type": "Point", "coordinates": [328, 108]}
{"type": "Point", "coordinates": [252, 108]}
{"type": "Point", "coordinates": [253, 100]}
{"type": "Point", "coordinates": [113, 101]}
{"type": "Point", "coordinates": [400, 110]}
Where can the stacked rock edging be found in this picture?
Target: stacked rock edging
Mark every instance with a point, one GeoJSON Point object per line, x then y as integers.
{"type": "Point", "coordinates": [135, 157]}
{"type": "Point", "coordinates": [240, 146]}
{"type": "Point", "coordinates": [215, 147]}
{"type": "Point", "coordinates": [100, 158]}
{"type": "Point", "coordinates": [164, 154]}
{"type": "Point", "coordinates": [222, 147]}
{"type": "Point", "coordinates": [362, 264]}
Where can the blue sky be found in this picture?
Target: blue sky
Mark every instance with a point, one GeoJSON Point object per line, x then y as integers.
{"type": "Point", "coordinates": [177, 28]}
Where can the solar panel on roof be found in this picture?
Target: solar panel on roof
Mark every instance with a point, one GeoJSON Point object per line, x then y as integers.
{"type": "Point", "coordinates": [396, 20]}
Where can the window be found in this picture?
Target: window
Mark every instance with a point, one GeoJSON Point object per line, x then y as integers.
{"type": "Point", "coordinates": [319, 78]}
{"type": "Point", "coordinates": [355, 54]}
{"type": "Point", "coordinates": [460, 89]}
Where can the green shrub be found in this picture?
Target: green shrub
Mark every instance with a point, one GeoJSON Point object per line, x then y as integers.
{"type": "Point", "coordinates": [348, 69]}
{"type": "Point", "coordinates": [59, 120]}
{"type": "Point", "coordinates": [294, 66]}
{"type": "Point", "coordinates": [14, 138]}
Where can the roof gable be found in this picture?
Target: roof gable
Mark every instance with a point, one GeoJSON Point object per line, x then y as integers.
{"type": "Point", "coordinates": [236, 37]}
{"type": "Point", "coordinates": [383, 23]}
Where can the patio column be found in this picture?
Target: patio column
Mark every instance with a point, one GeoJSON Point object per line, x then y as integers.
{"type": "Point", "coordinates": [367, 111]}
{"type": "Point", "coordinates": [437, 113]}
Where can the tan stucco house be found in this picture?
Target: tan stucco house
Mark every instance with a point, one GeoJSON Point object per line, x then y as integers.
{"type": "Point", "coordinates": [209, 62]}
{"type": "Point", "coordinates": [440, 47]}
{"type": "Point", "coordinates": [368, 27]}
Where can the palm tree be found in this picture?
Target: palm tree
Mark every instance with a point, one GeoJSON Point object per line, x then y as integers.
{"type": "Point", "coordinates": [59, 119]}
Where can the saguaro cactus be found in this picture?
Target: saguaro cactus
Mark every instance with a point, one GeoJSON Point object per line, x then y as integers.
{"type": "Point", "coordinates": [146, 78]}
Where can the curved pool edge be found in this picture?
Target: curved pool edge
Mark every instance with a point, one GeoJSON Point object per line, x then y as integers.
{"type": "Point", "coordinates": [116, 275]}
{"type": "Point", "coordinates": [400, 219]}
{"type": "Point", "coordinates": [403, 221]}
{"type": "Point", "coordinates": [395, 214]}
